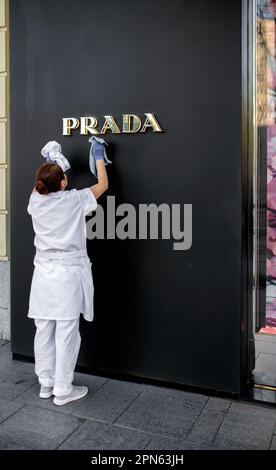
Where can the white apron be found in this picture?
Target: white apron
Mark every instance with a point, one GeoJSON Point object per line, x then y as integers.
{"type": "Point", "coordinates": [62, 286]}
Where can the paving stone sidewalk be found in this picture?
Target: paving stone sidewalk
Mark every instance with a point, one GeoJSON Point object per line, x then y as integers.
{"type": "Point", "coordinates": [119, 415]}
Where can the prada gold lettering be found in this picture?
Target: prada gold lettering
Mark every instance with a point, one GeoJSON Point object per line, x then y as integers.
{"type": "Point", "coordinates": [131, 123]}
{"type": "Point", "coordinates": [88, 125]}
{"type": "Point", "coordinates": [151, 121]}
{"type": "Point", "coordinates": [69, 124]}
{"type": "Point", "coordinates": [128, 124]}
{"type": "Point", "coordinates": [111, 124]}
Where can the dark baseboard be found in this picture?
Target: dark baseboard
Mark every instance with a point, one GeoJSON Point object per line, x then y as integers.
{"type": "Point", "coordinates": [144, 380]}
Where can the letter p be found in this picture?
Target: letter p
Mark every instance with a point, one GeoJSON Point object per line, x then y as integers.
{"type": "Point", "coordinates": [69, 124]}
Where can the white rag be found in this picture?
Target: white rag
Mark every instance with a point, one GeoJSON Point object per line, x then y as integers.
{"type": "Point", "coordinates": [52, 152]}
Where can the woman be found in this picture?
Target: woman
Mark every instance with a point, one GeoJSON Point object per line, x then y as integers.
{"type": "Point", "coordinates": [62, 284]}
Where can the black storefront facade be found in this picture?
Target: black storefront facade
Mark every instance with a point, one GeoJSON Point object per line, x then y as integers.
{"type": "Point", "coordinates": [181, 317]}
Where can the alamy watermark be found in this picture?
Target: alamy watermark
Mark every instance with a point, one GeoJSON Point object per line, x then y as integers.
{"type": "Point", "coordinates": [147, 221]}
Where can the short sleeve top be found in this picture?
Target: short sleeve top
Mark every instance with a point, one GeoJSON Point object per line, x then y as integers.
{"type": "Point", "coordinates": [59, 219]}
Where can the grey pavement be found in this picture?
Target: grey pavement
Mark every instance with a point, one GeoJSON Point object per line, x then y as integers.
{"type": "Point", "coordinates": [121, 415]}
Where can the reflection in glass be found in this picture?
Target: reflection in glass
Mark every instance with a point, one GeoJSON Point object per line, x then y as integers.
{"type": "Point", "coordinates": [266, 161]}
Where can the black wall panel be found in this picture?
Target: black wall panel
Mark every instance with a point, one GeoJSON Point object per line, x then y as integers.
{"type": "Point", "coordinates": [159, 313]}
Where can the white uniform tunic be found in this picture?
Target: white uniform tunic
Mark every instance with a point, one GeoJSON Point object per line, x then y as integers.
{"type": "Point", "coordinates": [62, 284]}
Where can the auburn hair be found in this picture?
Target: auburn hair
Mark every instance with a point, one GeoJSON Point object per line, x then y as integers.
{"type": "Point", "coordinates": [48, 178]}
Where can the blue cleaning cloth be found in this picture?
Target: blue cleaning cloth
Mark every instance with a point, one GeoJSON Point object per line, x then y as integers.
{"type": "Point", "coordinates": [97, 152]}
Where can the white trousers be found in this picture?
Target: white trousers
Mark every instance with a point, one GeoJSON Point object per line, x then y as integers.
{"type": "Point", "coordinates": [56, 348]}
